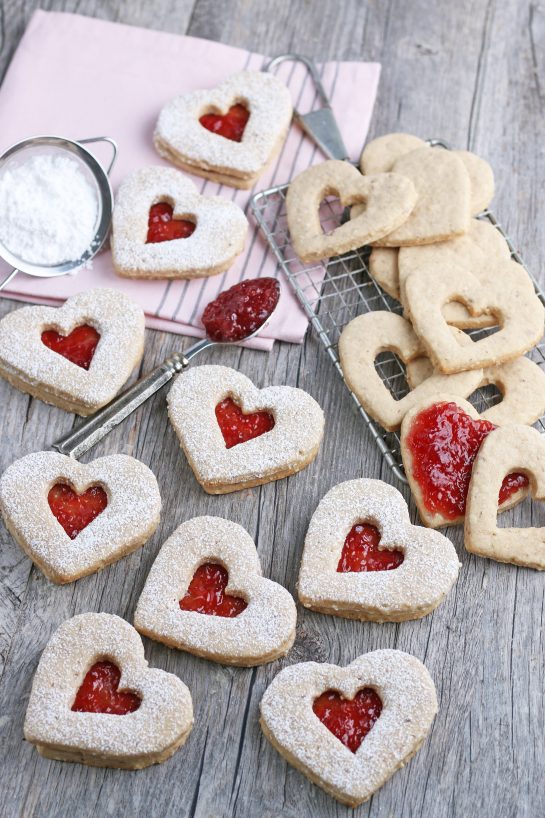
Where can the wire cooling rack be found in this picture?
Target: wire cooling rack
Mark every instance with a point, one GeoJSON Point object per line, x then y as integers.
{"type": "Point", "coordinates": [334, 291]}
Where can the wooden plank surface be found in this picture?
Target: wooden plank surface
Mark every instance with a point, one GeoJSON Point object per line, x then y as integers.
{"type": "Point", "coordinates": [473, 73]}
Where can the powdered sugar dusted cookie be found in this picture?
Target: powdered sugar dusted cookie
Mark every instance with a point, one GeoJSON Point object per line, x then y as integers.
{"type": "Point", "coordinates": [512, 448]}
{"type": "Point", "coordinates": [77, 356]}
{"type": "Point", "coordinates": [389, 198]}
{"type": "Point", "coordinates": [73, 519]}
{"type": "Point", "coordinates": [205, 594]}
{"type": "Point", "coordinates": [228, 134]}
{"type": "Point", "coordinates": [348, 729]}
{"type": "Point", "coordinates": [194, 236]}
{"type": "Point", "coordinates": [94, 699]}
{"type": "Point", "coordinates": [361, 342]}
{"type": "Point", "coordinates": [236, 436]}
{"type": "Point", "coordinates": [364, 560]}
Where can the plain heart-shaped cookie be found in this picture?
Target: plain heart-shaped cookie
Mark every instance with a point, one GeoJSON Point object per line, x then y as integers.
{"type": "Point", "coordinates": [511, 448]}
{"type": "Point", "coordinates": [287, 448]}
{"type": "Point", "coordinates": [128, 520]}
{"type": "Point", "coordinates": [158, 726]}
{"type": "Point", "coordinates": [181, 138]}
{"type": "Point", "coordinates": [212, 247]}
{"type": "Point", "coordinates": [388, 198]}
{"type": "Point", "coordinates": [31, 366]}
{"type": "Point", "coordinates": [409, 591]}
{"type": "Point", "coordinates": [258, 631]}
{"type": "Point", "coordinates": [409, 704]}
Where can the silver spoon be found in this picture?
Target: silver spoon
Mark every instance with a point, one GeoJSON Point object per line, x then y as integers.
{"type": "Point", "coordinates": [97, 426]}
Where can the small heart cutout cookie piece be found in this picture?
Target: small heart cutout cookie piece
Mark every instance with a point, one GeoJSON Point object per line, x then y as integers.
{"type": "Point", "coordinates": [514, 447]}
{"type": "Point", "coordinates": [73, 519]}
{"type": "Point", "coordinates": [258, 632]}
{"type": "Point", "coordinates": [46, 373]}
{"type": "Point", "coordinates": [440, 438]}
{"type": "Point", "coordinates": [212, 246]}
{"type": "Point", "coordinates": [410, 589]}
{"type": "Point", "coordinates": [389, 198]}
{"type": "Point", "coordinates": [409, 704]}
{"type": "Point", "coordinates": [92, 733]}
{"type": "Point", "coordinates": [79, 346]}
{"type": "Point", "coordinates": [228, 134]}
{"type": "Point", "coordinates": [287, 448]}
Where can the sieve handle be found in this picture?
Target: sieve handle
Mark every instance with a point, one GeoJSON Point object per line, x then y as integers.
{"type": "Point", "coordinates": [8, 278]}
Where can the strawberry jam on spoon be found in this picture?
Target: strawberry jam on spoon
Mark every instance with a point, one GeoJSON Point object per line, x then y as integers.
{"type": "Point", "coordinates": [241, 310]}
{"type": "Point", "coordinates": [230, 125]}
{"type": "Point", "coordinates": [99, 692]}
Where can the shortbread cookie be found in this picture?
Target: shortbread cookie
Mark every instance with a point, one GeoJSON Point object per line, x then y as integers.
{"type": "Point", "coordinates": [503, 290]}
{"type": "Point", "coordinates": [77, 356]}
{"type": "Point", "coordinates": [94, 700]}
{"type": "Point", "coordinates": [504, 450]}
{"type": "Point", "coordinates": [389, 199]}
{"type": "Point", "coordinates": [384, 269]}
{"type": "Point", "coordinates": [364, 560]}
{"type": "Point", "coordinates": [240, 156]}
{"type": "Point", "coordinates": [236, 436]}
{"type": "Point", "coordinates": [348, 729]}
{"type": "Point", "coordinates": [361, 342]}
{"type": "Point", "coordinates": [205, 594]}
{"type": "Point", "coordinates": [216, 228]}
{"type": "Point", "coordinates": [73, 519]}
{"type": "Point", "coordinates": [440, 438]}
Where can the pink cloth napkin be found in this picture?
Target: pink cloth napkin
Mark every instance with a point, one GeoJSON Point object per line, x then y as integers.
{"type": "Point", "coordinates": [79, 77]}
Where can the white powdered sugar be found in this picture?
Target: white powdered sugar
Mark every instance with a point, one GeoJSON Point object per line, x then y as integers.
{"type": "Point", "coordinates": [48, 210]}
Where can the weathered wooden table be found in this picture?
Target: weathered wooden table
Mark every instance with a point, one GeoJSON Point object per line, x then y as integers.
{"type": "Point", "coordinates": [472, 72]}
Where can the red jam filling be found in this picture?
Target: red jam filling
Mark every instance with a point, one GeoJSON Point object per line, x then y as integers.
{"type": "Point", "coordinates": [241, 310]}
{"type": "Point", "coordinates": [75, 511]}
{"type": "Point", "coordinates": [361, 552]}
{"type": "Point", "coordinates": [99, 692]}
{"type": "Point", "coordinates": [79, 347]}
{"type": "Point", "coordinates": [162, 227]}
{"type": "Point", "coordinates": [348, 719]}
{"type": "Point", "coordinates": [206, 593]}
{"type": "Point", "coordinates": [444, 441]}
{"type": "Point", "coordinates": [236, 427]}
{"type": "Point", "coordinates": [230, 125]}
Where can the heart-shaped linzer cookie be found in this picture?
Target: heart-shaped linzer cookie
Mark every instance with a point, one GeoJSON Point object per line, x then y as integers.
{"type": "Point", "coordinates": [37, 366]}
{"type": "Point", "coordinates": [210, 248]}
{"type": "Point", "coordinates": [94, 700]}
{"type": "Point", "coordinates": [73, 519]}
{"type": "Point", "coordinates": [227, 612]}
{"type": "Point", "coordinates": [511, 448]}
{"type": "Point", "coordinates": [391, 591]}
{"type": "Point", "coordinates": [228, 134]}
{"type": "Point", "coordinates": [440, 438]}
{"type": "Point", "coordinates": [388, 198]}
{"type": "Point", "coordinates": [289, 446]}
{"type": "Point", "coordinates": [300, 728]}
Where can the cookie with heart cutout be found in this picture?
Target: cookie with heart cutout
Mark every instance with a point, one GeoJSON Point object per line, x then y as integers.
{"type": "Point", "coordinates": [228, 134]}
{"type": "Point", "coordinates": [349, 729]}
{"type": "Point", "coordinates": [163, 228]}
{"type": "Point", "coordinates": [77, 356]}
{"type": "Point", "coordinates": [95, 701]}
{"type": "Point", "coordinates": [440, 438]}
{"type": "Point", "coordinates": [512, 448]}
{"type": "Point", "coordinates": [362, 558]}
{"type": "Point", "coordinates": [383, 268]}
{"type": "Point", "coordinates": [389, 199]}
{"type": "Point", "coordinates": [361, 342]}
{"type": "Point", "coordinates": [236, 436]}
{"type": "Point", "coordinates": [73, 519]}
{"type": "Point", "coordinates": [205, 594]}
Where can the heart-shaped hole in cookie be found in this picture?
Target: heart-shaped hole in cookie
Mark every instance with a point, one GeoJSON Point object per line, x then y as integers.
{"type": "Point", "coordinates": [206, 593]}
{"type": "Point", "coordinates": [361, 551]}
{"type": "Point", "coordinates": [163, 227]}
{"type": "Point", "coordinates": [78, 347]}
{"type": "Point", "coordinates": [393, 373]}
{"type": "Point", "coordinates": [230, 125]}
{"type": "Point", "coordinates": [237, 427]}
{"type": "Point", "coordinates": [99, 692]}
{"type": "Point", "coordinates": [331, 213]}
{"type": "Point", "coordinates": [75, 511]}
{"type": "Point", "coordinates": [350, 720]}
